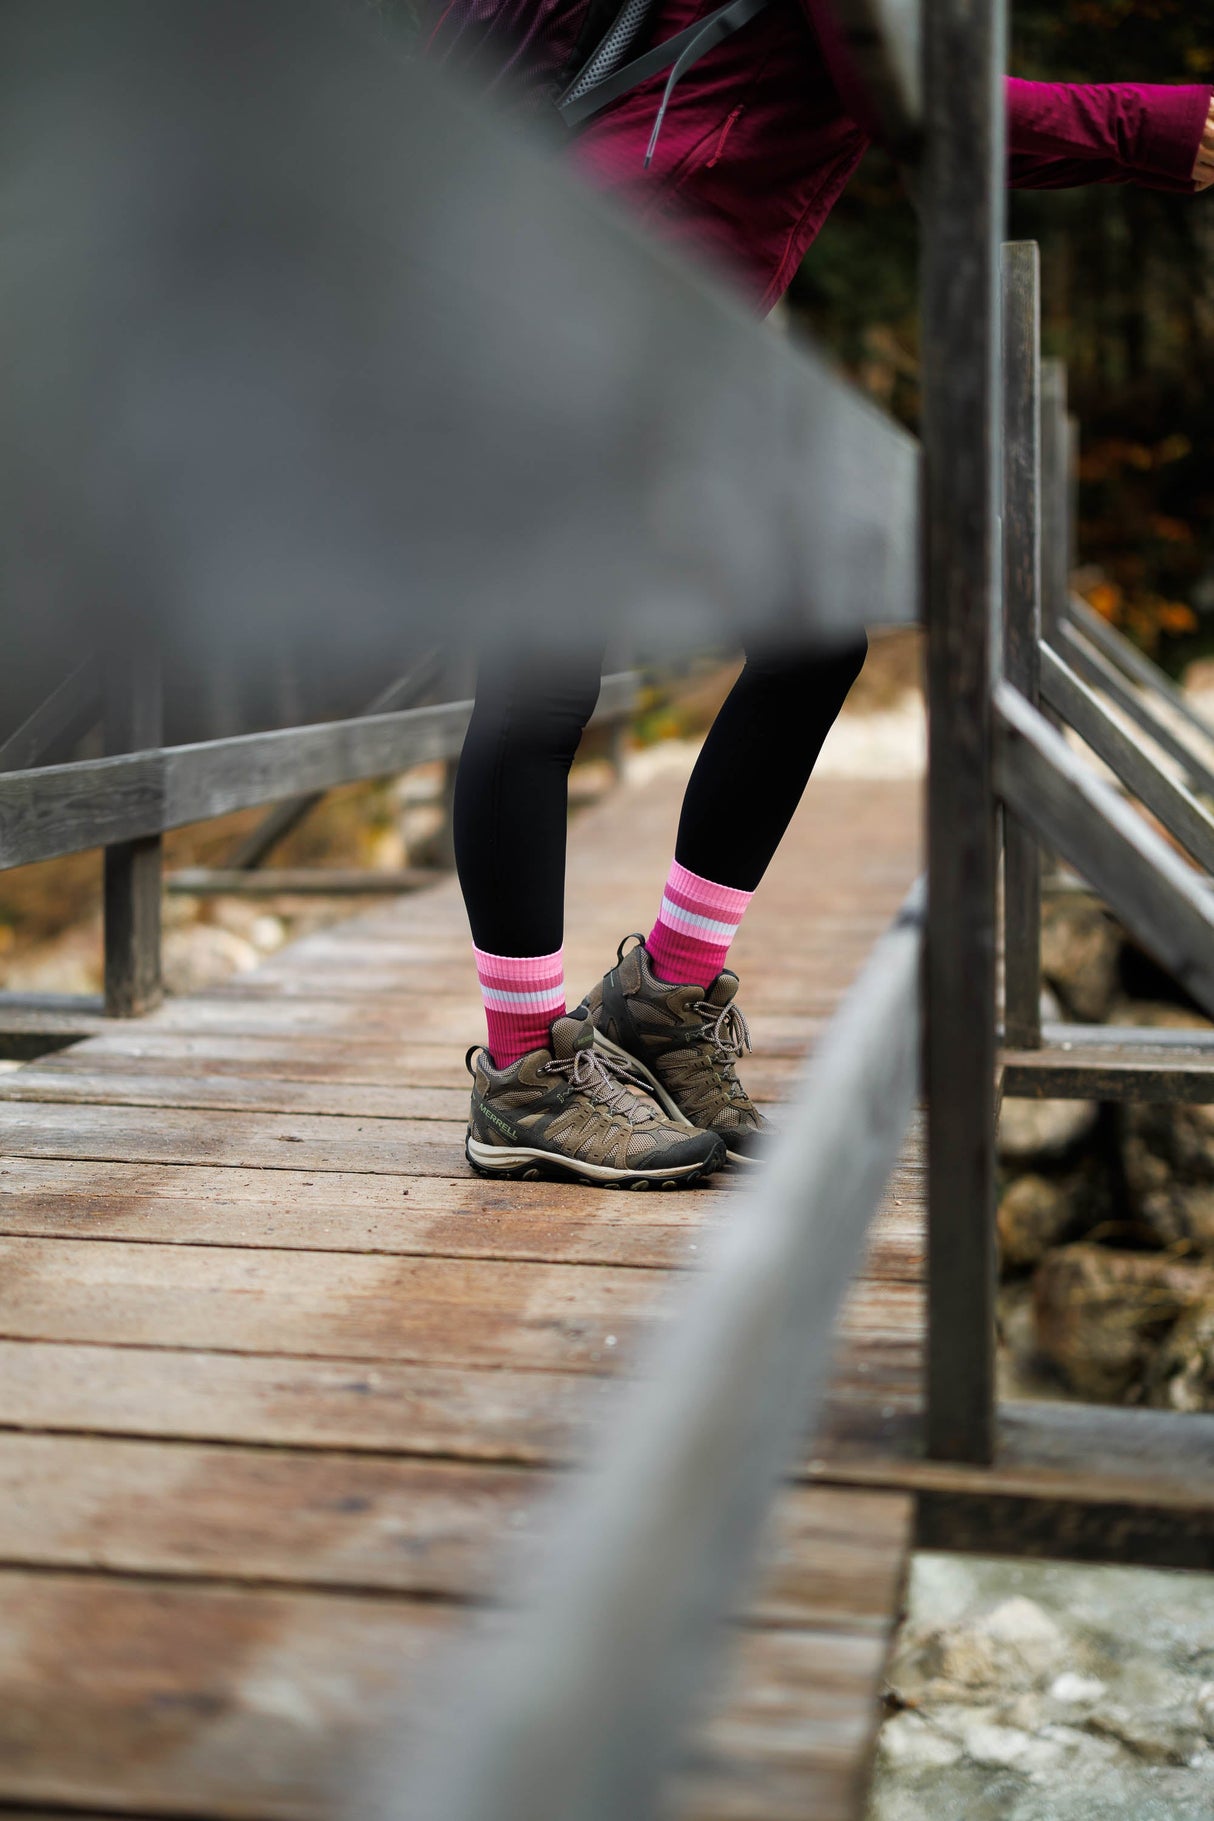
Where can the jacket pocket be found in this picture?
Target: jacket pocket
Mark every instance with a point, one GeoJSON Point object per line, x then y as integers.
{"type": "Point", "coordinates": [718, 146]}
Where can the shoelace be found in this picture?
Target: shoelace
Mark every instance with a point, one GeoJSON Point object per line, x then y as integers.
{"type": "Point", "coordinates": [729, 1034]}
{"type": "Point", "coordinates": [605, 1080]}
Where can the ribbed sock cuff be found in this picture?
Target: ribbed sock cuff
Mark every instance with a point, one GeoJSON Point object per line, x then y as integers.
{"type": "Point", "coordinates": [697, 922]}
{"type": "Point", "coordinates": [522, 995]}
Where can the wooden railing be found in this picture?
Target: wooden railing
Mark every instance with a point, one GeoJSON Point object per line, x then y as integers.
{"type": "Point", "coordinates": [125, 804]}
{"type": "Point", "coordinates": [790, 504]}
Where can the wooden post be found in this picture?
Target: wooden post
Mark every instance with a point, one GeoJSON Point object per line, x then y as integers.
{"type": "Point", "coordinates": [1055, 504]}
{"type": "Point", "coordinates": [963, 182]}
{"type": "Point", "coordinates": [1022, 623]}
{"type": "Point", "coordinates": [131, 905]}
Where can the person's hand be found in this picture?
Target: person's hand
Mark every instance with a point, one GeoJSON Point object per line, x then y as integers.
{"type": "Point", "coordinates": [1203, 170]}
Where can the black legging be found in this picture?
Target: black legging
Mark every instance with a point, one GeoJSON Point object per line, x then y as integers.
{"type": "Point", "coordinates": [511, 792]}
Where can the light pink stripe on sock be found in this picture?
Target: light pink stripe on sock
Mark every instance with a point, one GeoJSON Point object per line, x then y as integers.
{"type": "Point", "coordinates": [697, 922]}
{"type": "Point", "coordinates": [522, 995]}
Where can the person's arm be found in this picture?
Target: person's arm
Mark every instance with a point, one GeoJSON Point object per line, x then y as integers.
{"type": "Point", "coordinates": [1152, 134]}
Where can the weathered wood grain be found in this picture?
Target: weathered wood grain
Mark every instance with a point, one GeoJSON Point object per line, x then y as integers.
{"type": "Point", "coordinates": [1176, 808]}
{"type": "Point", "coordinates": [236, 1369]}
{"type": "Point", "coordinates": [337, 1304]}
{"type": "Point", "coordinates": [253, 1699]}
{"type": "Point", "coordinates": [1021, 297]}
{"type": "Point", "coordinates": [1096, 670]}
{"type": "Point", "coordinates": [382, 1406]}
{"type": "Point", "coordinates": [362, 1522]}
{"type": "Point", "coordinates": [962, 208]}
{"type": "Point", "coordinates": [1135, 665]}
{"type": "Point", "coordinates": [1149, 886]}
{"type": "Point", "coordinates": [1109, 1073]}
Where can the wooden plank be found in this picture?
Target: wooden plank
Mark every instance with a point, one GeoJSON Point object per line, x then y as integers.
{"type": "Point", "coordinates": [1089, 1482]}
{"type": "Point", "coordinates": [1055, 503]}
{"type": "Point", "coordinates": [80, 1084]}
{"type": "Point", "coordinates": [441, 1217]}
{"type": "Point", "coordinates": [1147, 885]}
{"type": "Point", "coordinates": [962, 212]}
{"type": "Point", "coordinates": [1109, 1073]}
{"type": "Point", "coordinates": [476, 1413]}
{"type": "Point", "coordinates": [1022, 619]}
{"type": "Point", "coordinates": [340, 1305]}
{"type": "Point", "coordinates": [1169, 802]}
{"type": "Point", "coordinates": [1134, 664]}
{"type": "Point", "coordinates": [357, 1522]}
{"type": "Point", "coordinates": [468, 1412]}
{"type": "Point", "coordinates": [453, 1310]}
{"type": "Point", "coordinates": [33, 1024]}
{"type": "Point", "coordinates": [795, 1738]}
{"type": "Point", "coordinates": [1199, 1039]}
{"type": "Point", "coordinates": [143, 1696]}
{"type": "Point", "coordinates": [1095, 670]}
{"type": "Point", "coordinates": [264, 1069]}
{"type": "Point", "coordinates": [272, 1141]}
{"type": "Point", "coordinates": [61, 809]}
{"type": "Point", "coordinates": [640, 1559]}
{"type": "Point", "coordinates": [298, 881]}
{"type": "Point", "coordinates": [331, 1520]}
{"type": "Point", "coordinates": [337, 1212]}
{"type": "Point", "coordinates": [249, 1699]}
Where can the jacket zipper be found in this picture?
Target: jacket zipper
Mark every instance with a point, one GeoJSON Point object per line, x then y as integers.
{"type": "Point", "coordinates": [722, 136]}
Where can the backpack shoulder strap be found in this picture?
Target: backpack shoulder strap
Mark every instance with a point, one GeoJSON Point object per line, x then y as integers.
{"type": "Point", "coordinates": [581, 100]}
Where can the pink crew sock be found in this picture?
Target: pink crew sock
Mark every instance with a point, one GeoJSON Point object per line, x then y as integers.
{"type": "Point", "coordinates": [522, 995]}
{"type": "Point", "coordinates": [696, 924]}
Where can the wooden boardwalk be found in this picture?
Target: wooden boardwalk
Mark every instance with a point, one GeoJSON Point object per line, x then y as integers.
{"type": "Point", "coordinates": [277, 1375]}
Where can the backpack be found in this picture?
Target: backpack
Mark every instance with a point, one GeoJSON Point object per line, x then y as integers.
{"type": "Point", "coordinates": [573, 56]}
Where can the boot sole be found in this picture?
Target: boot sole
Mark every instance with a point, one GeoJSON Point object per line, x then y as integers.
{"type": "Point", "coordinates": [661, 1096]}
{"type": "Point", "coordinates": [520, 1163]}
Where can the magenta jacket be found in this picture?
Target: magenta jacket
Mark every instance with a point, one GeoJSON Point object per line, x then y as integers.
{"type": "Point", "coordinates": [759, 143]}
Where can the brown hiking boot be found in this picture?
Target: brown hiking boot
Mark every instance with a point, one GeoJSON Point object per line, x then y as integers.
{"type": "Point", "coordinates": [685, 1042]}
{"type": "Point", "coordinates": [573, 1113]}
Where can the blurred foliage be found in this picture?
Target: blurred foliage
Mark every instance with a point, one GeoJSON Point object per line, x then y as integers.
{"type": "Point", "coordinates": [1126, 279]}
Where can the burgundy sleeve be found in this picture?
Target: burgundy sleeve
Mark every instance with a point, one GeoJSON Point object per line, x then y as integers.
{"type": "Point", "coordinates": [1122, 132]}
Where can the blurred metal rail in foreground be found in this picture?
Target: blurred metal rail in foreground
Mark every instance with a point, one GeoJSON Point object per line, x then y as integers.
{"type": "Point", "coordinates": [591, 437]}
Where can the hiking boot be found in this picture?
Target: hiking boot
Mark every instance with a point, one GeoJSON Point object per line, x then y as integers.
{"type": "Point", "coordinates": [575, 1114]}
{"type": "Point", "coordinates": [684, 1042]}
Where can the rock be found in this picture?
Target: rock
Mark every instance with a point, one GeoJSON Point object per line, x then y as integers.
{"type": "Point", "coordinates": [268, 933]}
{"type": "Point", "coordinates": [1181, 1375]}
{"type": "Point", "coordinates": [995, 1746]}
{"type": "Point", "coordinates": [1150, 1736]}
{"type": "Point", "coordinates": [913, 1743]}
{"type": "Point", "coordinates": [1026, 1635]}
{"type": "Point", "coordinates": [1204, 1707]}
{"type": "Point", "coordinates": [1012, 1647]}
{"type": "Point", "coordinates": [1034, 1130]}
{"type": "Point", "coordinates": [201, 955]}
{"type": "Point", "coordinates": [1168, 1153]}
{"type": "Point", "coordinates": [1080, 949]}
{"type": "Point", "coordinates": [1076, 1690]}
{"type": "Point", "coordinates": [1099, 1313]}
{"type": "Point", "coordinates": [1160, 1014]}
{"type": "Point", "coordinates": [1034, 1214]}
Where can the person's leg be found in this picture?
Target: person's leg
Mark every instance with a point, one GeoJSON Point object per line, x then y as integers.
{"type": "Point", "coordinates": [545, 1102]}
{"type": "Point", "coordinates": [748, 780]}
{"type": "Point", "coordinates": [509, 825]}
{"type": "Point", "coordinates": [668, 1005]}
